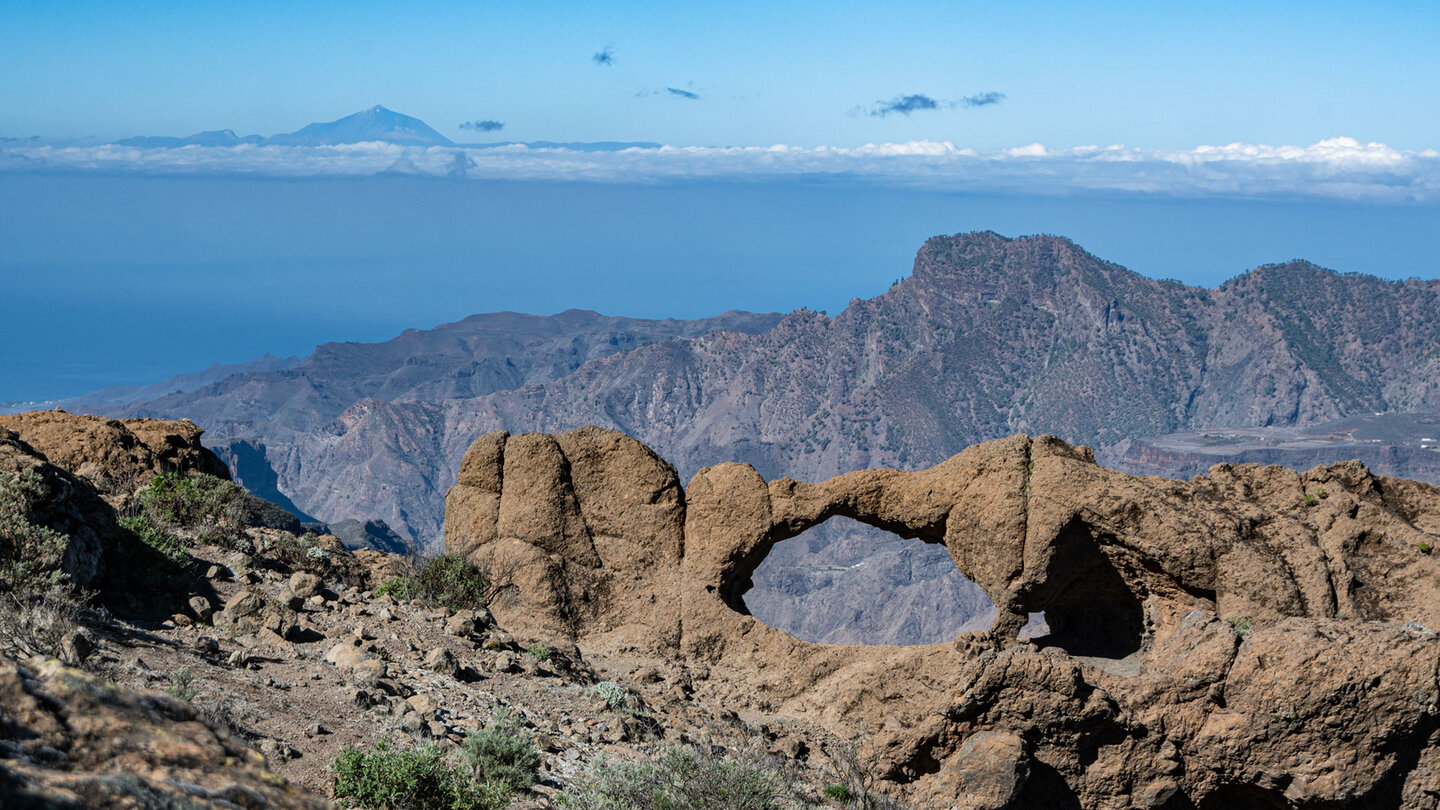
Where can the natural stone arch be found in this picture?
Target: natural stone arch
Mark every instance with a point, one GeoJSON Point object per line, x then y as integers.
{"type": "Point", "coordinates": [1039, 526]}
{"type": "Point", "coordinates": [738, 581]}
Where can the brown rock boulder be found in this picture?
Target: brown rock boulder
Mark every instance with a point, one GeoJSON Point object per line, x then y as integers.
{"type": "Point", "coordinates": [577, 529]}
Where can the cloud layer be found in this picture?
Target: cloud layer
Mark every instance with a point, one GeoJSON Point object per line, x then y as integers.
{"type": "Point", "coordinates": [982, 99]}
{"type": "Point", "coordinates": [1338, 168]}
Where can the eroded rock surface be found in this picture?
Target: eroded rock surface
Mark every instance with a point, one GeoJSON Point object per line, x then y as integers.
{"type": "Point", "coordinates": [1256, 637]}
{"type": "Point", "coordinates": [116, 456]}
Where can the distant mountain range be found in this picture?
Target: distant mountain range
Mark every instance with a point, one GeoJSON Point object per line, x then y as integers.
{"type": "Point", "coordinates": [987, 337]}
{"type": "Point", "coordinates": [374, 124]}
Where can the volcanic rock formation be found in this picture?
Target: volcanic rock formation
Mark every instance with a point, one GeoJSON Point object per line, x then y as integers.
{"type": "Point", "coordinates": [90, 466]}
{"type": "Point", "coordinates": [1256, 637]}
{"type": "Point", "coordinates": [115, 455]}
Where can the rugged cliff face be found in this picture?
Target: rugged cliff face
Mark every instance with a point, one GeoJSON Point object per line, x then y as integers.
{"type": "Point", "coordinates": [1254, 638]}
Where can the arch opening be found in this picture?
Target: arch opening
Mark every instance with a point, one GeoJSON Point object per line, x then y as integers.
{"type": "Point", "coordinates": [1092, 612]}
{"type": "Point", "coordinates": [846, 582]}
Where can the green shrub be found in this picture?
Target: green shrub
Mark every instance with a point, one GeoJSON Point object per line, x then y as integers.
{"type": "Point", "coordinates": [453, 581]}
{"type": "Point", "coordinates": [1311, 500]}
{"type": "Point", "coordinates": [188, 501]}
{"type": "Point", "coordinates": [38, 606]}
{"type": "Point", "coordinates": [613, 693]}
{"type": "Point", "coordinates": [681, 780]}
{"type": "Point", "coordinates": [162, 542]}
{"type": "Point", "coordinates": [538, 651]}
{"type": "Point", "coordinates": [402, 588]}
{"type": "Point", "coordinates": [1425, 548]}
{"type": "Point", "coordinates": [182, 684]}
{"type": "Point", "coordinates": [839, 793]}
{"type": "Point", "coordinates": [503, 753]}
{"type": "Point", "coordinates": [1241, 624]}
{"type": "Point", "coordinates": [385, 778]}
{"type": "Point", "coordinates": [31, 555]}
{"type": "Point", "coordinates": [151, 562]}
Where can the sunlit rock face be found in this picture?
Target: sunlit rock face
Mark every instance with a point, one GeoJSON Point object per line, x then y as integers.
{"type": "Point", "coordinates": [1207, 640]}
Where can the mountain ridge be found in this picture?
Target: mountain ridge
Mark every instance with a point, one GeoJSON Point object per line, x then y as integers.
{"type": "Point", "coordinates": [987, 337]}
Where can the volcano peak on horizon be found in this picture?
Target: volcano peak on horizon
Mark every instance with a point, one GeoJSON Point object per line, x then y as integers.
{"type": "Point", "coordinates": [376, 123]}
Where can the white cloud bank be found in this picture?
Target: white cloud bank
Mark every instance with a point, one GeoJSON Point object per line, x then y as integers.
{"type": "Point", "coordinates": [1338, 168]}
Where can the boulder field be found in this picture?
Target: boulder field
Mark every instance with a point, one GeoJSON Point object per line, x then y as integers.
{"type": "Point", "coordinates": [1254, 637]}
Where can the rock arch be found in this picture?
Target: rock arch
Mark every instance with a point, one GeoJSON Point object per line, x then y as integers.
{"type": "Point", "coordinates": [600, 544]}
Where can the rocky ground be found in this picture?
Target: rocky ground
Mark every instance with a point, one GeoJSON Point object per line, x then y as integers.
{"type": "Point", "coordinates": [1254, 638]}
{"type": "Point", "coordinates": [283, 649]}
{"type": "Point", "coordinates": [298, 668]}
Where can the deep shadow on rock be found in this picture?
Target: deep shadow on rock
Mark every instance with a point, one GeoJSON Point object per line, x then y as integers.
{"type": "Point", "coordinates": [1253, 636]}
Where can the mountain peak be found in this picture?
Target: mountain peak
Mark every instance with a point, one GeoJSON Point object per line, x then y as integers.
{"type": "Point", "coordinates": [377, 123]}
{"type": "Point", "coordinates": [373, 124]}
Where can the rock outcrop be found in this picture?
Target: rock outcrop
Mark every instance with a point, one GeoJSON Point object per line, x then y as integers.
{"type": "Point", "coordinates": [1256, 637]}
{"type": "Point", "coordinates": [87, 467]}
{"type": "Point", "coordinates": [116, 456]}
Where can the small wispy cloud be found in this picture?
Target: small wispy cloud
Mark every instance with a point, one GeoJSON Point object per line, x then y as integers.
{"type": "Point", "coordinates": [605, 57]}
{"type": "Point", "coordinates": [488, 125]}
{"type": "Point", "coordinates": [916, 102]}
{"type": "Point", "coordinates": [982, 99]}
{"type": "Point", "coordinates": [682, 93]}
{"type": "Point", "coordinates": [903, 105]}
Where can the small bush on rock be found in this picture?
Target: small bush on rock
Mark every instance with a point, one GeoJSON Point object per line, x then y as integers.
{"type": "Point", "coordinates": [613, 693]}
{"type": "Point", "coordinates": [681, 780]}
{"type": "Point", "coordinates": [38, 607]}
{"type": "Point", "coordinates": [38, 621]}
{"type": "Point", "coordinates": [453, 581]}
{"type": "Point", "coordinates": [401, 588]}
{"type": "Point", "coordinates": [182, 684]}
{"type": "Point", "coordinates": [419, 779]}
{"type": "Point", "coordinates": [31, 555]}
{"type": "Point", "coordinates": [151, 561]}
{"type": "Point", "coordinates": [187, 501]}
{"type": "Point", "coordinates": [503, 752]}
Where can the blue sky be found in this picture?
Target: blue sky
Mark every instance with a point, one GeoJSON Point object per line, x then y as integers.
{"type": "Point", "coordinates": [1147, 75]}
